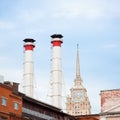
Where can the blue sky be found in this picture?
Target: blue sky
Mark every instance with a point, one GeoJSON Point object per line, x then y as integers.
{"type": "Point", "coordinates": [93, 24]}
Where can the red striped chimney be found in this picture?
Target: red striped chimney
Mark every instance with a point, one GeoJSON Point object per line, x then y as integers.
{"type": "Point", "coordinates": [28, 75]}
{"type": "Point", "coordinates": [56, 71]}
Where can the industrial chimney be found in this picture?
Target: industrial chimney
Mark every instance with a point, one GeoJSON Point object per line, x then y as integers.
{"type": "Point", "coordinates": [28, 75]}
{"type": "Point", "coordinates": [56, 71]}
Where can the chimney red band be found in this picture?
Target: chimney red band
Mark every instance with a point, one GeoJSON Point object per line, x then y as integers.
{"type": "Point", "coordinates": [56, 43]}
{"type": "Point", "coordinates": [29, 47]}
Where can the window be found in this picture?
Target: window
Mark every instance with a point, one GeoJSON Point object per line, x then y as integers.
{"type": "Point", "coordinates": [3, 118]}
{"type": "Point", "coordinates": [16, 105]}
{"type": "Point", "coordinates": [4, 101]}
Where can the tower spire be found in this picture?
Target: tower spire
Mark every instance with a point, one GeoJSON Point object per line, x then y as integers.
{"type": "Point", "coordinates": [78, 80]}
{"type": "Point", "coordinates": [78, 103]}
{"type": "Point", "coordinates": [77, 63]}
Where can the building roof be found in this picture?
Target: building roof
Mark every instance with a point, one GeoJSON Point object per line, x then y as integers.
{"type": "Point", "coordinates": [38, 102]}
{"type": "Point", "coordinates": [43, 104]}
{"type": "Point", "coordinates": [110, 90]}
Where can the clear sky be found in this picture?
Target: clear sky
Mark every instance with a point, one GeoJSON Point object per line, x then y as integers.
{"type": "Point", "coordinates": [93, 24]}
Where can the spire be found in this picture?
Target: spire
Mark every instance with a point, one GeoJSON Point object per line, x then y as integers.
{"type": "Point", "coordinates": [78, 95]}
{"type": "Point", "coordinates": [77, 63]}
{"type": "Point", "coordinates": [78, 80]}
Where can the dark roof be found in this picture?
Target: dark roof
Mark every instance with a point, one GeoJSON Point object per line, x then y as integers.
{"type": "Point", "coordinates": [30, 99]}
{"type": "Point", "coordinates": [110, 113]}
{"type": "Point", "coordinates": [38, 102]}
{"type": "Point", "coordinates": [6, 86]}
{"type": "Point", "coordinates": [94, 116]}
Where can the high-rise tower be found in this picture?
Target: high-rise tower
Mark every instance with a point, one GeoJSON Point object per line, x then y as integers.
{"type": "Point", "coordinates": [56, 71]}
{"type": "Point", "coordinates": [78, 103]}
{"type": "Point", "coordinates": [28, 75]}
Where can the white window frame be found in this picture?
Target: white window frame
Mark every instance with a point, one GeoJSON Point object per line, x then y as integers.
{"type": "Point", "coordinates": [3, 101]}
{"type": "Point", "coordinates": [16, 106]}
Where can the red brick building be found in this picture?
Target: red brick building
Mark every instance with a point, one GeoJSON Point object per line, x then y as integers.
{"type": "Point", "coordinates": [10, 102]}
{"type": "Point", "coordinates": [17, 106]}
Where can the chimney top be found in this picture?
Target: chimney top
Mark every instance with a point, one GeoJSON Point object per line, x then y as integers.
{"type": "Point", "coordinates": [56, 36]}
{"type": "Point", "coordinates": [29, 40]}
{"type": "Point", "coordinates": [12, 85]}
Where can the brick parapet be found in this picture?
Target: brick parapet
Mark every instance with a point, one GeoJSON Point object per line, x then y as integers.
{"type": "Point", "coordinates": [109, 98]}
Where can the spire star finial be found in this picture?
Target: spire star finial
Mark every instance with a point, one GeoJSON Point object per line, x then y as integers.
{"type": "Point", "coordinates": [77, 46]}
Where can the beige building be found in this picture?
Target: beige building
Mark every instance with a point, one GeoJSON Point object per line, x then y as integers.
{"type": "Point", "coordinates": [77, 102]}
{"type": "Point", "coordinates": [110, 104]}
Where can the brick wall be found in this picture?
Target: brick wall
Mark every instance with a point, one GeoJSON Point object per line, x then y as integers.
{"type": "Point", "coordinates": [110, 99]}
{"type": "Point", "coordinates": [8, 110]}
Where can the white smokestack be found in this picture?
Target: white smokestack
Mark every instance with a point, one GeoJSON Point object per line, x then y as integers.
{"type": "Point", "coordinates": [1, 79]}
{"type": "Point", "coordinates": [56, 71]}
{"type": "Point", "coordinates": [28, 75]}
